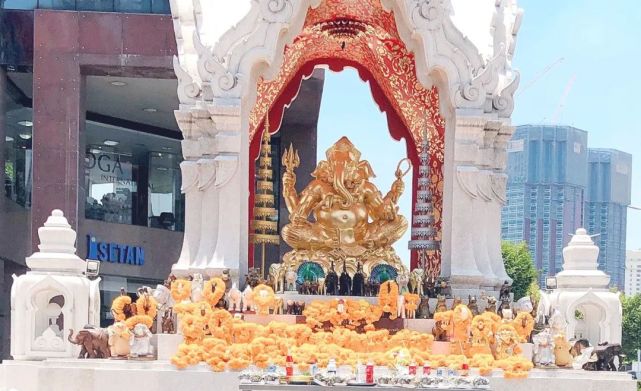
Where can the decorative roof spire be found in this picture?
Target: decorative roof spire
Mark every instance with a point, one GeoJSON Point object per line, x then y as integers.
{"type": "Point", "coordinates": [423, 233]}
{"type": "Point", "coordinates": [265, 223]}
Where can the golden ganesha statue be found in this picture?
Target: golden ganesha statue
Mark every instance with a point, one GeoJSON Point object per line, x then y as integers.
{"type": "Point", "coordinates": [352, 221]}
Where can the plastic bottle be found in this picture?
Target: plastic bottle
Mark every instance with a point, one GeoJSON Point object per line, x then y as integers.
{"type": "Point", "coordinates": [369, 373]}
{"type": "Point", "coordinates": [427, 369]}
{"type": "Point", "coordinates": [289, 366]}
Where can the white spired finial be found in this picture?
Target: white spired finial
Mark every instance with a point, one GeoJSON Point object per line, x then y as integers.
{"type": "Point", "coordinates": [57, 246]}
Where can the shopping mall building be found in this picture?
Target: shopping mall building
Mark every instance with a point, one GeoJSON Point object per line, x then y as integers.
{"type": "Point", "coordinates": [87, 126]}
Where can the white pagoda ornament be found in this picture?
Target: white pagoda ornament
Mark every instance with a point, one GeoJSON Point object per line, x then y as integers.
{"type": "Point", "coordinates": [582, 296]}
{"type": "Point", "coordinates": [53, 297]}
{"type": "Point", "coordinates": [423, 233]}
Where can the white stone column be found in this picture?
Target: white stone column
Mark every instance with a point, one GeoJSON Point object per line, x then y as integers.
{"type": "Point", "coordinates": [464, 272]}
{"type": "Point", "coordinates": [208, 214]}
{"type": "Point", "coordinates": [484, 207]}
{"type": "Point", "coordinates": [231, 192]}
{"type": "Point", "coordinates": [499, 188]}
{"type": "Point", "coordinates": [193, 204]}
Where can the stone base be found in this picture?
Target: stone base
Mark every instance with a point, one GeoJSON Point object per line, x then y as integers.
{"type": "Point", "coordinates": [166, 345]}
{"type": "Point", "coordinates": [109, 375]}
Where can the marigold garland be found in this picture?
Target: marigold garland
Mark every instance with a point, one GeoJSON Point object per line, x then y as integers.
{"type": "Point", "coordinates": [214, 290]}
{"type": "Point", "coordinates": [136, 319]}
{"type": "Point", "coordinates": [147, 305]}
{"type": "Point", "coordinates": [118, 307]}
{"type": "Point", "coordinates": [180, 289]}
{"type": "Point", "coordinates": [223, 342]}
{"type": "Point", "coordinates": [264, 298]}
{"type": "Point", "coordinates": [388, 298]}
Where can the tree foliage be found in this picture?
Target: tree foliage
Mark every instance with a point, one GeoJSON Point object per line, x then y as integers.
{"type": "Point", "coordinates": [519, 266]}
{"type": "Point", "coordinates": [631, 325]}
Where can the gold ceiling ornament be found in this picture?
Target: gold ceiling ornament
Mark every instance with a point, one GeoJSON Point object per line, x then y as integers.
{"type": "Point", "coordinates": [265, 223]}
{"type": "Point", "coordinates": [343, 29]}
{"type": "Point", "coordinates": [352, 220]}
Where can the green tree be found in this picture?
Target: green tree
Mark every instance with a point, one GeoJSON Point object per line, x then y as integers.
{"type": "Point", "coordinates": [631, 325]}
{"type": "Point", "coordinates": [519, 266]}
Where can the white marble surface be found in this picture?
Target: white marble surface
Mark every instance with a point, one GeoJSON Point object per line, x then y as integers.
{"type": "Point", "coordinates": [109, 375]}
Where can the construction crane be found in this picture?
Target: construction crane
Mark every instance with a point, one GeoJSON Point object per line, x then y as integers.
{"type": "Point", "coordinates": [564, 96]}
{"type": "Point", "coordinates": [539, 75]}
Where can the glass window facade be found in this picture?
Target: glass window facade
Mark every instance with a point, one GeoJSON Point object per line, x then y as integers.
{"type": "Point", "coordinates": [133, 178]}
{"type": "Point", "coordinates": [131, 6]}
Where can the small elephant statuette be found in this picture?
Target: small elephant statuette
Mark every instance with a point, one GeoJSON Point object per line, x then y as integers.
{"type": "Point", "coordinates": [94, 342]}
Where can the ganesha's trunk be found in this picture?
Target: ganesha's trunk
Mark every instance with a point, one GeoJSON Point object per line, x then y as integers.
{"type": "Point", "coordinates": [339, 185]}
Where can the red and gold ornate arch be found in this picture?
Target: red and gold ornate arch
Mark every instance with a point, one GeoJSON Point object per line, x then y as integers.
{"type": "Point", "coordinates": [362, 35]}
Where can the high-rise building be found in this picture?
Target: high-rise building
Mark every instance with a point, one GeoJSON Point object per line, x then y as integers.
{"type": "Point", "coordinates": [632, 272]}
{"type": "Point", "coordinates": [606, 204]}
{"type": "Point", "coordinates": [547, 176]}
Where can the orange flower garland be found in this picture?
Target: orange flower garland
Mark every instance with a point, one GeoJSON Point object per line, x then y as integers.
{"type": "Point", "coordinates": [411, 303]}
{"type": "Point", "coordinates": [144, 319]}
{"type": "Point", "coordinates": [388, 298]}
{"type": "Point", "coordinates": [180, 290]}
{"type": "Point", "coordinates": [264, 298]}
{"type": "Point", "coordinates": [214, 290]}
{"type": "Point", "coordinates": [118, 307]}
{"type": "Point", "coordinates": [147, 305]}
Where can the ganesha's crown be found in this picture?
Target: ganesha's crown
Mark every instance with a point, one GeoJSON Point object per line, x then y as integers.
{"type": "Point", "coordinates": [343, 149]}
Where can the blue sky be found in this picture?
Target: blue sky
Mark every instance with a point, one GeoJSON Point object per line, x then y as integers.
{"type": "Point", "coordinates": [599, 44]}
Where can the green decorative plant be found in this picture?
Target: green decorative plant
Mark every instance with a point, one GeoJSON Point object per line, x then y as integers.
{"type": "Point", "coordinates": [631, 325]}
{"type": "Point", "coordinates": [519, 266]}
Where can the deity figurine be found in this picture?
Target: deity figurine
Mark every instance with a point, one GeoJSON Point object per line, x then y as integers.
{"type": "Point", "coordinates": [358, 282]}
{"type": "Point", "coordinates": [507, 342]}
{"type": "Point", "coordinates": [543, 348]}
{"type": "Point", "coordinates": [226, 277]}
{"type": "Point", "coordinates": [472, 304]}
{"type": "Point", "coordinates": [491, 305]}
{"type": "Point", "coordinates": [523, 324]}
{"type": "Point", "coordinates": [557, 322]}
{"type": "Point", "coordinates": [482, 335]}
{"type": "Point", "coordinates": [140, 341]}
{"type": "Point", "coordinates": [429, 286]}
{"type": "Point", "coordinates": [350, 214]}
{"type": "Point", "coordinates": [331, 281]}
{"type": "Point", "coordinates": [506, 291]}
{"type": "Point", "coordinates": [345, 282]}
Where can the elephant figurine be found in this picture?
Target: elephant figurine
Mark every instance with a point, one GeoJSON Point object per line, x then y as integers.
{"type": "Point", "coordinates": [234, 297]}
{"type": "Point", "coordinates": [94, 342]}
{"type": "Point", "coordinates": [248, 299]}
{"type": "Point", "coordinates": [402, 280]}
{"type": "Point", "coordinates": [416, 281]}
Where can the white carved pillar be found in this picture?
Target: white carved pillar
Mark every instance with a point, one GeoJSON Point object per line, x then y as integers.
{"type": "Point", "coordinates": [483, 206]}
{"type": "Point", "coordinates": [231, 191]}
{"type": "Point", "coordinates": [464, 272]}
{"type": "Point", "coordinates": [499, 186]}
{"type": "Point", "coordinates": [193, 203]}
{"type": "Point", "coordinates": [208, 214]}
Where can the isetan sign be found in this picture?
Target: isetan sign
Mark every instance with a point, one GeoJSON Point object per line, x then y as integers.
{"type": "Point", "coordinates": [115, 252]}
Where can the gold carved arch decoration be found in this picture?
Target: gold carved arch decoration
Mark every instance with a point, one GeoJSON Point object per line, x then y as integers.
{"type": "Point", "coordinates": [361, 34]}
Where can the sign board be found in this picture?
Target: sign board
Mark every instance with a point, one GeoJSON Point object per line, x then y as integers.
{"type": "Point", "coordinates": [115, 252]}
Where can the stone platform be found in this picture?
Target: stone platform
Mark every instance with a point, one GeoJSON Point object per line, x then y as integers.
{"type": "Point", "coordinates": [110, 375]}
